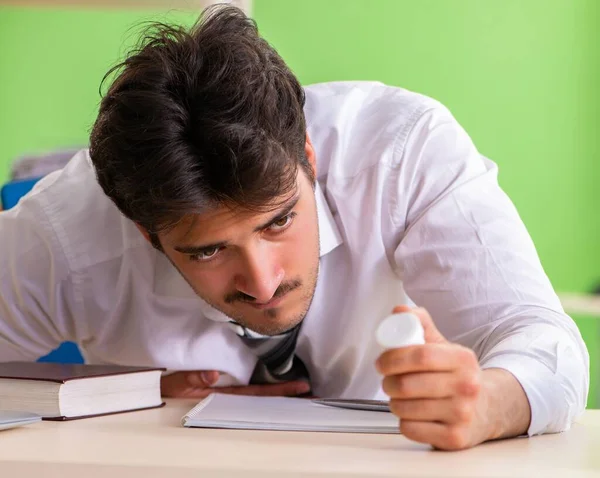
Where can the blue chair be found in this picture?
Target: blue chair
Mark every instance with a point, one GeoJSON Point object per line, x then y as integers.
{"type": "Point", "coordinates": [11, 193]}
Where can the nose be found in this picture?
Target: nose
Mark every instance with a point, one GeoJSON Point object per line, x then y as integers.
{"type": "Point", "coordinates": [261, 274]}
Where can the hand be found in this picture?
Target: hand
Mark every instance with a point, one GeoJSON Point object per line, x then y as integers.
{"type": "Point", "coordinates": [199, 384]}
{"type": "Point", "coordinates": [439, 391]}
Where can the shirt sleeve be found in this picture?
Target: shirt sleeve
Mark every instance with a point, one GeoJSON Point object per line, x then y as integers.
{"type": "Point", "coordinates": [464, 254]}
{"type": "Point", "coordinates": [37, 299]}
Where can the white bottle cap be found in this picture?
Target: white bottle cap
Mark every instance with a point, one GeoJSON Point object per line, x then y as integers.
{"type": "Point", "coordinates": [400, 330]}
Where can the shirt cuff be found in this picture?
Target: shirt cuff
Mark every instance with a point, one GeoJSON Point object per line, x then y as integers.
{"type": "Point", "coordinates": [542, 387]}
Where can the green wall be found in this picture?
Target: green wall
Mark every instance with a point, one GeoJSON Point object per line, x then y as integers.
{"type": "Point", "coordinates": [520, 75]}
{"type": "Point", "coordinates": [51, 64]}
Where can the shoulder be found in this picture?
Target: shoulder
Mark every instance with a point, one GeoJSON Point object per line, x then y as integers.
{"type": "Point", "coordinates": [81, 220]}
{"type": "Point", "coordinates": [364, 96]}
{"type": "Point", "coordinates": [358, 125]}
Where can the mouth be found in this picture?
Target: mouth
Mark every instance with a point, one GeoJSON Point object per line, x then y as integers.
{"type": "Point", "coordinates": [268, 305]}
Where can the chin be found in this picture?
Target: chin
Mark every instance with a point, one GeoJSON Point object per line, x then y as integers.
{"type": "Point", "coordinates": [270, 327]}
{"type": "Point", "coordinates": [271, 321]}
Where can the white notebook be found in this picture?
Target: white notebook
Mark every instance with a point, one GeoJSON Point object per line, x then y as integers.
{"type": "Point", "coordinates": [13, 419]}
{"type": "Point", "coordinates": [283, 413]}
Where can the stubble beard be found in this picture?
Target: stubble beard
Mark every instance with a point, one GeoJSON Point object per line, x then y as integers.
{"type": "Point", "coordinates": [271, 326]}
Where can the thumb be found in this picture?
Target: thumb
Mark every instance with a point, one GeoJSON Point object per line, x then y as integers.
{"type": "Point", "coordinates": [205, 378]}
{"type": "Point", "coordinates": [432, 334]}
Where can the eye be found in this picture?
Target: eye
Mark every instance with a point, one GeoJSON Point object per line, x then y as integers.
{"type": "Point", "coordinates": [282, 223]}
{"type": "Point", "coordinates": [205, 255]}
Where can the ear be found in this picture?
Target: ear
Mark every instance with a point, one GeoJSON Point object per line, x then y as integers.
{"type": "Point", "coordinates": [310, 154]}
{"type": "Point", "coordinates": [151, 238]}
{"type": "Point", "coordinates": [144, 232]}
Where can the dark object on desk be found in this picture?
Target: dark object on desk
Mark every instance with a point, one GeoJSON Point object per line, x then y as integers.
{"type": "Point", "coordinates": [69, 391]}
{"type": "Point", "coordinates": [355, 404]}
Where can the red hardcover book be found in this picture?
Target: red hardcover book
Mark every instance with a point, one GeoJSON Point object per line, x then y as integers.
{"type": "Point", "coordinates": [69, 391]}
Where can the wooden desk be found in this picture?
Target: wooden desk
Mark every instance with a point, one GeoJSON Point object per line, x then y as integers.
{"type": "Point", "coordinates": [152, 444]}
{"type": "Point", "coordinates": [583, 304]}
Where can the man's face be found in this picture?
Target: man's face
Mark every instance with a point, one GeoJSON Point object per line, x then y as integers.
{"type": "Point", "coordinates": [259, 269]}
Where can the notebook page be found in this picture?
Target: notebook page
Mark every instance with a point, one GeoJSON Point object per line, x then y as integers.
{"type": "Point", "coordinates": [284, 413]}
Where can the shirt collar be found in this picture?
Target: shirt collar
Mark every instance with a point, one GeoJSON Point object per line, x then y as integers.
{"type": "Point", "coordinates": [329, 233]}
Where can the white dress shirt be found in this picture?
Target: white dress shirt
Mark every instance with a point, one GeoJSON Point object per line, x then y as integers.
{"type": "Point", "coordinates": [409, 211]}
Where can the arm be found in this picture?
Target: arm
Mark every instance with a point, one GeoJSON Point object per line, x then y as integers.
{"type": "Point", "coordinates": [37, 299]}
{"type": "Point", "coordinates": [509, 413]}
{"type": "Point", "coordinates": [442, 396]}
{"type": "Point", "coordinates": [464, 255]}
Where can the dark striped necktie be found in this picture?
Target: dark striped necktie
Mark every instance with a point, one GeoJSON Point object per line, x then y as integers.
{"type": "Point", "coordinates": [277, 361]}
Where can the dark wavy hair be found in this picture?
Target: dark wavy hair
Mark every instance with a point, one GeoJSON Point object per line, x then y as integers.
{"type": "Point", "coordinates": [197, 118]}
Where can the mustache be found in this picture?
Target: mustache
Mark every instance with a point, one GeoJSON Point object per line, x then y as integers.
{"type": "Point", "coordinates": [283, 288]}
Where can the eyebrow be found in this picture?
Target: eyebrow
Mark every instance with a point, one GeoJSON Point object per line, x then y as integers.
{"type": "Point", "coordinates": [284, 211]}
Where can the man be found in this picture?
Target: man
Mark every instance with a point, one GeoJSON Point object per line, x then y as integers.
{"type": "Point", "coordinates": [250, 235]}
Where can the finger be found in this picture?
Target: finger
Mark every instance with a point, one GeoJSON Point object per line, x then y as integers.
{"type": "Point", "coordinates": [446, 410]}
{"type": "Point", "coordinates": [432, 334]}
{"type": "Point", "coordinates": [204, 378]}
{"type": "Point", "coordinates": [285, 389]}
{"type": "Point", "coordinates": [439, 435]}
{"type": "Point", "coordinates": [175, 385]}
{"type": "Point", "coordinates": [172, 383]}
{"type": "Point", "coordinates": [426, 358]}
{"type": "Point", "coordinates": [431, 385]}
{"type": "Point", "coordinates": [188, 384]}
{"type": "Point", "coordinates": [399, 309]}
